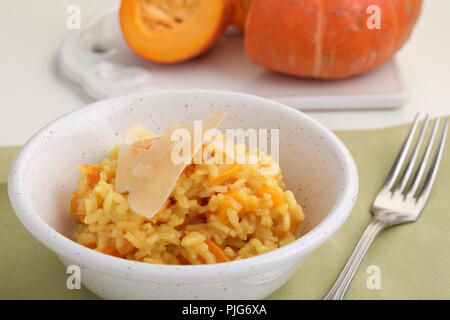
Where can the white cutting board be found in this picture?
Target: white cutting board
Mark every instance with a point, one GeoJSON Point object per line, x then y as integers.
{"type": "Point", "coordinates": [98, 59]}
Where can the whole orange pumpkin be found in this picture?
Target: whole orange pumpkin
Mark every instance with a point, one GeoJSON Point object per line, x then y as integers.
{"type": "Point", "coordinates": [327, 39]}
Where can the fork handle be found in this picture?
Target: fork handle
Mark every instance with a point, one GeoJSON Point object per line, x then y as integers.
{"type": "Point", "coordinates": [339, 288]}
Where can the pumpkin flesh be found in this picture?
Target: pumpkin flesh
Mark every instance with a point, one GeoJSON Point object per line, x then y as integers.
{"type": "Point", "coordinates": [169, 31]}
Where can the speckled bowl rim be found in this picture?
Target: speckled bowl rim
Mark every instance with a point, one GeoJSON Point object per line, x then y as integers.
{"type": "Point", "coordinates": [87, 258]}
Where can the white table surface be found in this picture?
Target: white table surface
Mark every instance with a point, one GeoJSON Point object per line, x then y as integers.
{"type": "Point", "coordinates": [33, 92]}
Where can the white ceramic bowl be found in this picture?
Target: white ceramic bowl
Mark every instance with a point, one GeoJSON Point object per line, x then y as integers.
{"type": "Point", "coordinates": [316, 166]}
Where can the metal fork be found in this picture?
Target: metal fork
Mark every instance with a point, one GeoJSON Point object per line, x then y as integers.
{"type": "Point", "coordinates": [402, 196]}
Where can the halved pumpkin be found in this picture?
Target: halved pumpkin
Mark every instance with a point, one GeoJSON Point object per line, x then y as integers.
{"type": "Point", "coordinates": [168, 31]}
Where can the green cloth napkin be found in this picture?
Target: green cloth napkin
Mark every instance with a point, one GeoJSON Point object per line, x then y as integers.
{"type": "Point", "coordinates": [413, 259]}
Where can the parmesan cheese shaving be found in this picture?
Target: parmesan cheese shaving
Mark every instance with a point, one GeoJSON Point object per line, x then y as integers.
{"type": "Point", "coordinates": [137, 132]}
{"type": "Point", "coordinates": [150, 176]}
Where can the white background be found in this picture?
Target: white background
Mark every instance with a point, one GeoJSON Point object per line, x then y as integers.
{"type": "Point", "coordinates": [32, 92]}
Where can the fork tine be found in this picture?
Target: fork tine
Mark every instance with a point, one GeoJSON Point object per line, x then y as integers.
{"type": "Point", "coordinates": [399, 161]}
{"type": "Point", "coordinates": [412, 162]}
{"type": "Point", "coordinates": [424, 161]}
{"type": "Point", "coordinates": [431, 176]}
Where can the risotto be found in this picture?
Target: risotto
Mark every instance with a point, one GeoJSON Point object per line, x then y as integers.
{"type": "Point", "coordinates": [215, 213]}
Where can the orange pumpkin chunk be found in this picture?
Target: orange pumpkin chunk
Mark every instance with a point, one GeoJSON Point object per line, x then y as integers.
{"type": "Point", "coordinates": [217, 251]}
{"type": "Point", "coordinates": [92, 173]}
{"type": "Point", "coordinates": [275, 194]}
{"type": "Point", "coordinates": [224, 176]}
